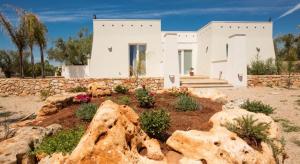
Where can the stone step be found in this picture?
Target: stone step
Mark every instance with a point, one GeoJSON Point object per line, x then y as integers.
{"type": "Point", "coordinates": [194, 77]}
{"type": "Point", "coordinates": [207, 85]}
{"type": "Point", "coordinates": [204, 81]}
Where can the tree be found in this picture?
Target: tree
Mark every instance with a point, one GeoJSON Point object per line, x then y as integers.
{"type": "Point", "coordinates": [6, 63]}
{"type": "Point", "coordinates": [74, 51]}
{"type": "Point", "coordinates": [17, 35]}
{"type": "Point", "coordinates": [31, 24]}
{"type": "Point", "coordinates": [40, 36]}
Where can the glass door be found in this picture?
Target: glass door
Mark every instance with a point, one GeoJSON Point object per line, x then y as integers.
{"type": "Point", "coordinates": [185, 61]}
{"type": "Point", "coordinates": [137, 60]}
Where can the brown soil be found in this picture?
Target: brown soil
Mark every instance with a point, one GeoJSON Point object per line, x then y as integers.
{"type": "Point", "coordinates": [197, 120]}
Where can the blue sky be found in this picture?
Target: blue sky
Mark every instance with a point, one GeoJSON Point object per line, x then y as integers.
{"type": "Point", "coordinates": [65, 17]}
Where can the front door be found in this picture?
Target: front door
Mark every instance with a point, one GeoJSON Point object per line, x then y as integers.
{"type": "Point", "coordinates": [137, 59]}
{"type": "Point", "coordinates": [185, 61]}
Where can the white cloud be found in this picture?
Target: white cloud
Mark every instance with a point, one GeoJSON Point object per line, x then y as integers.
{"type": "Point", "coordinates": [290, 11]}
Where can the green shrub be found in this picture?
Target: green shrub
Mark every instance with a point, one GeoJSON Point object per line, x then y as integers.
{"type": "Point", "coordinates": [86, 111]}
{"type": "Point", "coordinates": [44, 94]}
{"type": "Point", "coordinates": [121, 89]}
{"type": "Point", "coordinates": [259, 67]}
{"type": "Point", "coordinates": [257, 107]}
{"type": "Point", "coordinates": [78, 89]}
{"type": "Point", "coordinates": [124, 100]}
{"type": "Point", "coordinates": [145, 99]}
{"type": "Point", "coordinates": [155, 123]}
{"type": "Point", "coordinates": [186, 103]}
{"type": "Point", "coordinates": [249, 130]}
{"type": "Point", "coordinates": [64, 141]}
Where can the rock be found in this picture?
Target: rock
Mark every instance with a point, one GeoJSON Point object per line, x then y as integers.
{"type": "Point", "coordinates": [212, 94]}
{"type": "Point", "coordinates": [218, 145]}
{"type": "Point", "coordinates": [114, 136]}
{"type": "Point", "coordinates": [233, 104]}
{"type": "Point", "coordinates": [97, 89]}
{"type": "Point", "coordinates": [54, 103]}
{"type": "Point", "coordinates": [16, 149]}
{"type": "Point", "coordinates": [224, 116]}
{"type": "Point", "coordinates": [56, 158]}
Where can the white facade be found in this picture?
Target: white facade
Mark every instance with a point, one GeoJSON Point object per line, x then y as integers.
{"type": "Point", "coordinates": [218, 50]}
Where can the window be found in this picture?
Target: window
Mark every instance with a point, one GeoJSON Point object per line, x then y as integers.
{"type": "Point", "coordinates": [206, 50]}
{"type": "Point", "coordinates": [137, 59]}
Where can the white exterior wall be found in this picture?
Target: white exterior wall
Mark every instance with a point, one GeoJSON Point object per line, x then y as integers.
{"type": "Point", "coordinates": [208, 46]}
{"type": "Point", "coordinates": [75, 71]}
{"type": "Point", "coordinates": [118, 35]}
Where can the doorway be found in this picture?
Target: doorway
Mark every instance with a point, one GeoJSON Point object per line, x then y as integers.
{"type": "Point", "coordinates": [185, 58]}
{"type": "Point", "coordinates": [137, 59]}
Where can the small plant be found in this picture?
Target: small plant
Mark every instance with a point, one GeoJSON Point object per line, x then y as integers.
{"type": "Point", "coordinates": [257, 107]}
{"type": "Point", "coordinates": [78, 89]}
{"type": "Point", "coordinates": [247, 128]}
{"type": "Point", "coordinates": [124, 100]}
{"type": "Point", "coordinates": [287, 126]}
{"type": "Point", "coordinates": [297, 142]}
{"type": "Point", "coordinates": [82, 98]}
{"type": "Point", "coordinates": [145, 99]}
{"type": "Point", "coordinates": [64, 141]}
{"type": "Point", "coordinates": [44, 94]}
{"type": "Point", "coordinates": [86, 111]}
{"type": "Point", "coordinates": [155, 123]}
{"type": "Point", "coordinates": [179, 91]}
{"type": "Point", "coordinates": [186, 103]}
{"type": "Point", "coordinates": [121, 89]}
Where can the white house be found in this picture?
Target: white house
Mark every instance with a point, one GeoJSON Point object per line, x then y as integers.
{"type": "Point", "coordinates": [220, 49]}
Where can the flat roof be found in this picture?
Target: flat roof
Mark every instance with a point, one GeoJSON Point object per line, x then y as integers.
{"type": "Point", "coordinates": [117, 19]}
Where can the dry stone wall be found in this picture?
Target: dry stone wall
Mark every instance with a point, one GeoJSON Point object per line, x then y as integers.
{"type": "Point", "coordinates": [273, 80]}
{"type": "Point", "coordinates": [23, 87]}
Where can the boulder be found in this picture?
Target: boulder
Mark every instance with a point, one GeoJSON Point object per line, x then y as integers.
{"type": "Point", "coordinates": [234, 112]}
{"type": "Point", "coordinates": [114, 136]}
{"type": "Point", "coordinates": [213, 94]}
{"type": "Point", "coordinates": [97, 89]}
{"type": "Point", "coordinates": [16, 149]}
{"type": "Point", "coordinates": [218, 145]}
{"type": "Point", "coordinates": [56, 102]}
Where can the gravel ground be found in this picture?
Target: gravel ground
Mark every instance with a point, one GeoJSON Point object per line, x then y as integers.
{"type": "Point", "coordinates": [287, 104]}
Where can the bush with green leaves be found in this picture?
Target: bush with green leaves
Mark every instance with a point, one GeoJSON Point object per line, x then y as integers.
{"type": "Point", "coordinates": [124, 100]}
{"type": "Point", "coordinates": [64, 141]}
{"type": "Point", "coordinates": [78, 89]}
{"type": "Point", "coordinates": [155, 123]}
{"type": "Point", "coordinates": [260, 67]}
{"type": "Point", "coordinates": [86, 111]}
{"type": "Point", "coordinates": [44, 94]}
{"type": "Point", "coordinates": [257, 107]}
{"type": "Point", "coordinates": [121, 89]}
{"type": "Point", "coordinates": [247, 128]}
{"type": "Point", "coordinates": [145, 99]}
{"type": "Point", "coordinates": [186, 103]}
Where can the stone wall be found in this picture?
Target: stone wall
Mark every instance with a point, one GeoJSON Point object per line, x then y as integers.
{"type": "Point", "coordinates": [273, 80]}
{"type": "Point", "coordinates": [23, 87]}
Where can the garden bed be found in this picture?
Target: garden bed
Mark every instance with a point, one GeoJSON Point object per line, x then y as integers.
{"type": "Point", "coordinates": [196, 120]}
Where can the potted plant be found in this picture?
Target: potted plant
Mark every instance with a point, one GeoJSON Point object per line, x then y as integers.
{"type": "Point", "coordinates": [191, 71]}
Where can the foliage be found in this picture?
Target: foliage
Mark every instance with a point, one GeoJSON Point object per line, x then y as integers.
{"type": "Point", "coordinates": [287, 126]}
{"type": "Point", "coordinates": [121, 89]}
{"type": "Point", "coordinates": [78, 89]}
{"type": "Point", "coordinates": [44, 94]}
{"type": "Point", "coordinates": [257, 107]}
{"type": "Point", "coordinates": [155, 123]}
{"type": "Point", "coordinates": [124, 100]}
{"type": "Point", "coordinates": [64, 141]}
{"type": "Point", "coordinates": [259, 67]}
{"type": "Point", "coordinates": [186, 103]}
{"type": "Point", "coordinates": [145, 99]}
{"type": "Point", "coordinates": [82, 98]}
{"type": "Point", "coordinates": [247, 128]}
{"type": "Point", "coordinates": [179, 91]}
{"type": "Point", "coordinates": [86, 111]}
{"type": "Point", "coordinates": [6, 63]}
{"type": "Point", "coordinates": [74, 51]}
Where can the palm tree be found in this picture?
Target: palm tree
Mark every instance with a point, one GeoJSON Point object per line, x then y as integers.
{"type": "Point", "coordinates": [31, 24]}
{"type": "Point", "coordinates": [17, 35]}
{"type": "Point", "coordinates": [40, 36]}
